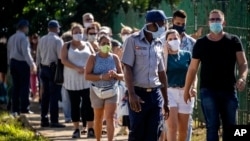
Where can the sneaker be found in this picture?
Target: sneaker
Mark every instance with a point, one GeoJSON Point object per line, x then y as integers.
{"type": "Point", "coordinates": [44, 124]}
{"type": "Point", "coordinates": [76, 134]}
{"type": "Point", "coordinates": [91, 133]}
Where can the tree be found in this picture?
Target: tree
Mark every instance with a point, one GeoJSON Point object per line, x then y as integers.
{"type": "Point", "coordinates": [39, 12]}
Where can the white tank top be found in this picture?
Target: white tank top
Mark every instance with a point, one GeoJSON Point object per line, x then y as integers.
{"type": "Point", "coordinates": [72, 79]}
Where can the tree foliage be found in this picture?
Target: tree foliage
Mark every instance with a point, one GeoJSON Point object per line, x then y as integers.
{"type": "Point", "coordinates": [39, 12]}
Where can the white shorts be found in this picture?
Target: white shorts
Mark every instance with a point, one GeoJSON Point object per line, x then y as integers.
{"type": "Point", "coordinates": [176, 99]}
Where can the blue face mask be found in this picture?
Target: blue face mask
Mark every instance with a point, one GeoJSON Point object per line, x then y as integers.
{"type": "Point", "coordinates": [158, 33]}
{"type": "Point", "coordinates": [215, 27]}
{"type": "Point", "coordinates": [180, 29]}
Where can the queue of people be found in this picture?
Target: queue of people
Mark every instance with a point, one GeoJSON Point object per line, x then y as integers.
{"type": "Point", "coordinates": [147, 83]}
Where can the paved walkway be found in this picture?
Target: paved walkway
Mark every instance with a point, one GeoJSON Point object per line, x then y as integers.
{"type": "Point", "coordinates": [60, 134]}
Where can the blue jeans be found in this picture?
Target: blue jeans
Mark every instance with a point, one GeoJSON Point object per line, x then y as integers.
{"type": "Point", "coordinates": [50, 96]}
{"type": "Point", "coordinates": [20, 72]}
{"type": "Point", "coordinates": [66, 105]}
{"type": "Point", "coordinates": [146, 124]}
{"type": "Point", "coordinates": [218, 106]}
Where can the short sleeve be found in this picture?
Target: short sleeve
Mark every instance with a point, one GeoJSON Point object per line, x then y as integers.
{"type": "Point", "coordinates": [238, 44]}
{"type": "Point", "coordinates": [59, 47]}
{"type": "Point", "coordinates": [196, 53]}
{"type": "Point", "coordinates": [128, 53]}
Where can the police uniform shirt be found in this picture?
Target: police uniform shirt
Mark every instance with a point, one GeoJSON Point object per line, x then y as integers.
{"type": "Point", "coordinates": [19, 48]}
{"type": "Point", "coordinates": [145, 59]}
{"type": "Point", "coordinates": [48, 49]}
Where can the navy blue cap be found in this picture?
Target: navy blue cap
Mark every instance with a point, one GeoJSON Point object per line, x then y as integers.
{"type": "Point", "coordinates": [53, 23]}
{"type": "Point", "coordinates": [22, 23]}
{"type": "Point", "coordinates": [155, 16]}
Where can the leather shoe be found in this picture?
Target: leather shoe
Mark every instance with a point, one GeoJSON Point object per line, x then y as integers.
{"type": "Point", "coordinates": [57, 125]}
{"type": "Point", "coordinates": [28, 112]}
{"type": "Point", "coordinates": [45, 124]}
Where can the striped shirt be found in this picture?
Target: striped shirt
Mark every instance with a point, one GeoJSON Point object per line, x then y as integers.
{"type": "Point", "coordinates": [48, 49]}
{"type": "Point", "coordinates": [19, 48]}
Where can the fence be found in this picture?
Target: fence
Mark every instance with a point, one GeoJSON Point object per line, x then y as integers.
{"type": "Point", "coordinates": [237, 16]}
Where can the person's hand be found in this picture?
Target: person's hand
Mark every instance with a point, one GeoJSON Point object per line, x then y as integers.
{"type": "Point", "coordinates": [193, 92]}
{"type": "Point", "coordinates": [166, 111]}
{"type": "Point", "coordinates": [106, 77]}
{"type": "Point", "coordinates": [80, 70]}
{"type": "Point", "coordinates": [34, 69]}
{"type": "Point", "coordinates": [187, 96]}
{"type": "Point", "coordinates": [112, 74]}
{"type": "Point", "coordinates": [135, 102]}
{"type": "Point", "coordinates": [241, 84]}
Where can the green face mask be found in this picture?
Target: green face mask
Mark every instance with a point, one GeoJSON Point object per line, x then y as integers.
{"type": "Point", "coordinates": [105, 49]}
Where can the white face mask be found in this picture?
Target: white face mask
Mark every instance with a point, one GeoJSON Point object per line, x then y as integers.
{"type": "Point", "coordinates": [77, 37]}
{"type": "Point", "coordinates": [124, 37]}
{"type": "Point", "coordinates": [174, 45]}
{"type": "Point", "coordinates": [92, 38]}
{"type": "Point", "coordinates": [156, 34]}
{"type": "Point", "coordinates": [86, 25]}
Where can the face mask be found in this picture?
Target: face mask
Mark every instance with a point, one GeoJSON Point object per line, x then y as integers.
{"type": "Point", "coordinates": [92, 38]}
{"type": "Point", "coordinates": [174, 45]}
{"type": "Point", "coordinates": [180, 29]}
{"type": "Point", "coordinates": [156, 34]}
{"type": "Point", "coordinates": [77, 37]}
{"type": "Point", "coordinates": [216, 27]}
{"type": "Point", "coordinates": [124, 37]}
{"type": "Point", "coordinates": [105, 49]}
{"type": "Point", "coordinates": [86, 25]}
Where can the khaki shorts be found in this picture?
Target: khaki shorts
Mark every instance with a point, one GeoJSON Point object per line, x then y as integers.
{"type": "Point", "coordinates": [97, 102]}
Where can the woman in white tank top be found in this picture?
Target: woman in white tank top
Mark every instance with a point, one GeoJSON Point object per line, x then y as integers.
{"type": "Point", "coordinates": [74, 56]}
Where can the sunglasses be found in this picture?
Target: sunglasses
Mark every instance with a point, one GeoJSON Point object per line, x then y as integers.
{"type": "Point", "coordinates": [215, 19]}
{"type": "Point", "coordinates": [92, 33]}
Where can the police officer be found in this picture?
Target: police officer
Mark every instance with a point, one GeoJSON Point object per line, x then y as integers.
{"type": "Point", "coordinates": [21, 62]}
{"type": "Point", "coordinates": [48, 52]}
{"type": "Point", "coordinates": [145, 78]}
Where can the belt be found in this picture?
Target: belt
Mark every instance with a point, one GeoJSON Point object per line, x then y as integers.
{"type": "Point", "coordinates": [148, 90]}
{"type": "Point", "coordinates": [45, 65]}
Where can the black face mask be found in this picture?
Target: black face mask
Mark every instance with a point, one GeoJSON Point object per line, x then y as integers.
{"type": "Point", "coordinates": [180, 29]}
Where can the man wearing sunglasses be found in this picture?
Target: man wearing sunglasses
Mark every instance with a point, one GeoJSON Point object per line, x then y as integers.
{"type": "Point", "coordinates": [218, 53]}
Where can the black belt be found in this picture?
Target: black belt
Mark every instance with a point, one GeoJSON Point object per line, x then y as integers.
{"type": "Point", "coordinates": [148, 90]}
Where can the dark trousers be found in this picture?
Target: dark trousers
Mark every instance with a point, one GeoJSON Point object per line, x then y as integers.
{"type": "Point", "coordinates": [146, 124]}
{"type": "Point", "coordinates": [20, 72]}
{"type": "Point", "coordinates": [86, 111]}
{"type": "Point", "coordinates": [50, 95]}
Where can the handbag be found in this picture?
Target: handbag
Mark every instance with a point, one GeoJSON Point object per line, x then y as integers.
{"type": "Point", "coordinates": [58, 79]}
{"type": "Point", "coordinates": [105, 92]}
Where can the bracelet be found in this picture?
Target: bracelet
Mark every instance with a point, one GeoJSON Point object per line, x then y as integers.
{"type": "Point", "coordinates": [100, 77]}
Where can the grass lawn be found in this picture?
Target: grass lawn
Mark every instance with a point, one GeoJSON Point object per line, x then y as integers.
{"type": "Point", "coordinates": [11, 129]}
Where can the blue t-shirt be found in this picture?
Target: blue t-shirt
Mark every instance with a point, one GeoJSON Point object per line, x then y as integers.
{"type": "Point", "coordinates": [177, 67]}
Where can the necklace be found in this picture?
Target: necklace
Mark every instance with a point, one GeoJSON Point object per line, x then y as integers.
{"type": "Point", "coordinates": [175, 58]}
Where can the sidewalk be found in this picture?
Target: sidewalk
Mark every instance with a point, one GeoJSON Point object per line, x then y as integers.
{"type": "Point", "coordinates": [60, 134]}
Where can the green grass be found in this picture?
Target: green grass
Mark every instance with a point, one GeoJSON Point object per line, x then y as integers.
{"type": "Point", "coordinates": [12, 130]}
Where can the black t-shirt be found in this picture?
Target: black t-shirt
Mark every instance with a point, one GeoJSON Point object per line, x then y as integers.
{"type": "Point", "coordinates": [218, 60]}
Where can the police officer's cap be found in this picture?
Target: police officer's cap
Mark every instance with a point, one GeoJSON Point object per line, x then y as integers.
{"type": "Point", "coordinates": [53, 23]}
{"type": "Point", "coordinates": [23, 23]}
{"type": "Point", "coordinates": [155, 16]}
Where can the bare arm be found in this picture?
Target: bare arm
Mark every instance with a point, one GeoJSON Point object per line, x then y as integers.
{"type": "Point", "coordinates": [119, 74]}
{"type": "Point", "coordinates": [64, 57]}
{"type": "Point", "coordinates": [129, 79]}
{"type": "Point", "coordinates": [243, 70]}
{"type": "Point", "coordinates": [190, 77]}
{"type": "Point", "coordinates": [89, 69]}
{"type": "Point", "coordinates": [163, 80]}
